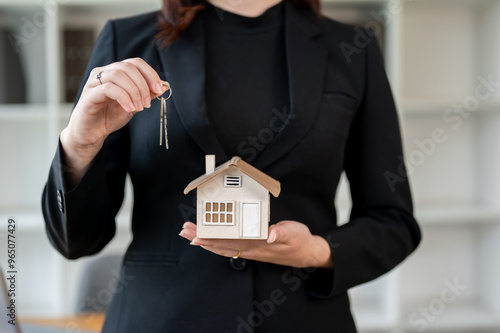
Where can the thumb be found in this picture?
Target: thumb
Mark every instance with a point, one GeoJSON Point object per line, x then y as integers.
{"type": "Point", "coordinates": [273, 234]}
{"type": "Point", "coordinates": [277, 233]}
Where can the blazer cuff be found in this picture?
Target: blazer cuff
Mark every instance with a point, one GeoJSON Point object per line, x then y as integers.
{"type": "Point", "coordinates": [61, 172]}
{"type": "Point", "coordinates": [321, 281]}
{"type": "Point", "coordinates": [61, 205]}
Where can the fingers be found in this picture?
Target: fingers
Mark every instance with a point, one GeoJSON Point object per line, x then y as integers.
{"type": "Point", "coordinates": [228, 243]}
{"type": "Point", "coordinates": [131, 81]}
{"type": "Point", "coordinates": [134, 77]}
{"type": "Point", "coordinates": [290, 243]}
{"type": "Point", "coordinates": [136, 74]}
{"type": "Point", "coordinates": [189, 225]}
{"type": "Point", "coordinates": [222, 247]}
{"type": "Point", "coordinates": [149, 74]}
{"type": "Point", "coordinates": [250, 249]}
{"type": "Point", "coordinates": [286, 232]}
{"type": "Point", "coordinates": [278, 233]}
{"type": "Point", "coordinates": [108, 91]}
{"type": "Point", "coordinates": [188, 231]}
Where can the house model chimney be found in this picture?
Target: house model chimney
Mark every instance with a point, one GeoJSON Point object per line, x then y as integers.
{"type": "Point", "coordinates": [209, 164]}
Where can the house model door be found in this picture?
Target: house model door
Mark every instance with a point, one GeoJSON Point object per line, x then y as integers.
{"type": "Point", "coordinates": [250, 221]}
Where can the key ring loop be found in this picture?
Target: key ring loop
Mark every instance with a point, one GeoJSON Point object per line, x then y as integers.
{"type": "Point", "coordinates": [169, 89]}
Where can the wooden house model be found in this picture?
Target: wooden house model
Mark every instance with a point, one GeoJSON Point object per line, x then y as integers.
{"type": "Point", "coordinates": [233, 200]}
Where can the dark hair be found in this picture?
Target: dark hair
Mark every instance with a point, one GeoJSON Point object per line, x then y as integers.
{"type": "Point", "coordinates": [177, 15]}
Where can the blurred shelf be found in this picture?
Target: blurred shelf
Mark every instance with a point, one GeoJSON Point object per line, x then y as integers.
{"type": "Point", "coordinates": [446, 214]}
{"type": "Point", "coordinates": [27, 219]}
{"type": "Point", "coordinates": [17, 3]}
{"type": "Point", "coordinates": [466, 3]}
{"type": "Point", "coordinates": [31, 218]}
{"type": "Point", "coordinates": [464, 318]}
{"type": "Point", "coordinates": [426, 107]}
{"type": "Point", "coordinates": [438, 107]}
{"type": "Point", "coordinates": [24, 112]}
{"type": "Point", "coordinates": [457, 215]}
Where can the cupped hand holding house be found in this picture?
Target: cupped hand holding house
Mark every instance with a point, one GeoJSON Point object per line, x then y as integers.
{"type": "Point", "coordinates": [290, 243]}
{"type": "Point", "coordinates": [233, 211]}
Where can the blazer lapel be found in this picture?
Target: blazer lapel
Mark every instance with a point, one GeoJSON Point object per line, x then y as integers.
{"type": "Point", "coordinates": [184, 67]}
{"type": "Point", "coordinates": [306, 69]}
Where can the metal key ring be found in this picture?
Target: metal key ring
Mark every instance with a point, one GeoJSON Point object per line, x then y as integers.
{"type": "Point", "coordinates": [169, 89]}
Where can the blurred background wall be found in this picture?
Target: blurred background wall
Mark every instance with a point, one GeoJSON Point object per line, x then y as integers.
{"type": "Point", "coordinates": [443, 60]}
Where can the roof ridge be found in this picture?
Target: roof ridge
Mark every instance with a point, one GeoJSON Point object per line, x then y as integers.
{"type": "Point", "coordinates": [235, 160]}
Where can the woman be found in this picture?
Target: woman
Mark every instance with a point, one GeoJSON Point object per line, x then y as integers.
{"type": "Point", "coordinates": [237, 70]}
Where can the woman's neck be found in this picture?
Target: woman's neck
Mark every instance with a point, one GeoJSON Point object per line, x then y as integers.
{"type": "Point", "coordinates": [250, 8]}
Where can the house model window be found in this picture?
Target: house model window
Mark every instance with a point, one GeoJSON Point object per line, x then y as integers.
{"type": "Point", "coordinates": [232, 181]}
{"type": "Point", "coordinates": [219, 212]}
{"type": "Point", "coordinates": [233, 200]}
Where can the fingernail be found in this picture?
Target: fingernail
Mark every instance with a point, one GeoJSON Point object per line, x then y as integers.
{"type": "Point", "coordinates": [132, 107]}
{"type": "Point", "coordinates": [139, 107]}
{"type": "Point", "coordinates": [158, 88]}
{"type": "Point", "coordinates": [273, 239]}
{"type": "Point", "coordinates": [147, 102]}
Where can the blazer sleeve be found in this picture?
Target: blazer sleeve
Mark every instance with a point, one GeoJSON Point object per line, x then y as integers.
{"type": "Point", "coordinates": [81, 221]}
{"type": "Point", "coordinates": [382, 231]}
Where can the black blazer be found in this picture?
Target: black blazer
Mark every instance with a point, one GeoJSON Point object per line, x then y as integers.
{"type": "Point", "coordinates": [343, 118]}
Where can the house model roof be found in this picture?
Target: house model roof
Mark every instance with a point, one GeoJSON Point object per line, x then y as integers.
{"type": "Point", "coordinates": [269, 183]}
